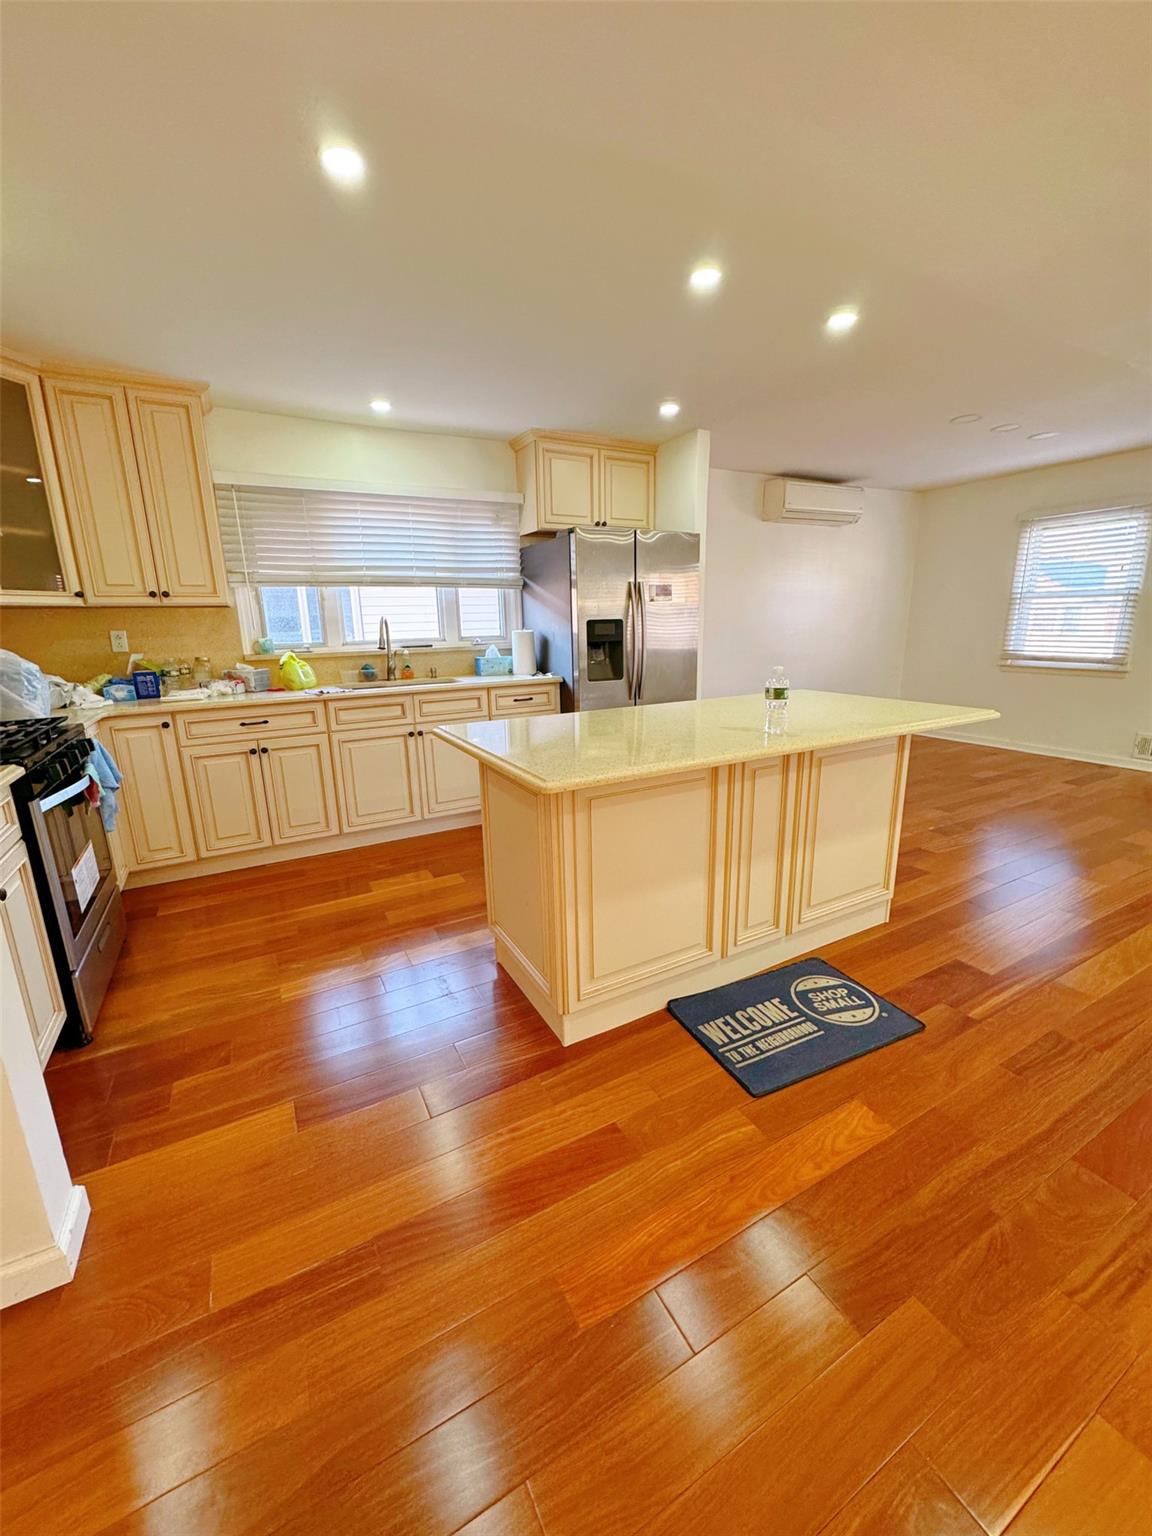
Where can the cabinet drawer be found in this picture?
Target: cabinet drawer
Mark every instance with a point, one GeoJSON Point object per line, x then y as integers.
{"type": "Point", "coordinates": [469, 704]}
{"type": "Point", "coordinates": [242, 724]}
{"type": "Point", "coordinates": [349, 713]}
{"type": "Point", "coordinates": [9, 825]}
{"type": "Point", "coordinates": [523, 701]}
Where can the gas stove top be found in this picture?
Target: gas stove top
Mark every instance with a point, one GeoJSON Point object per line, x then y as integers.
{"type": "Point", "coordinates": [51, 751]}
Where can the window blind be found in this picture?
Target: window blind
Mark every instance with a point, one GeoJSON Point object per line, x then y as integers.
{"type": "Point", "coordinates": [1075, 588]}
{"type": "Point", "coordinates": [280, 536]}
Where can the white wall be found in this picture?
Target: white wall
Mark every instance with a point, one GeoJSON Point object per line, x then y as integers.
{"type": "Point", "coordinates": [828, 604]}
{"type": "Point", "coordinates": [259, 443]}
{"type": "Point", "coordinates": [966, 552]}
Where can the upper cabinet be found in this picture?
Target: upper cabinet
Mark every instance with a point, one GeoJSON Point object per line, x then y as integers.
{"type": "Point", "coordinates": [569, 480]}
{"type": "Point", "coordinates": [134, 519]}
{"type": "Point", "coordinates": [36, 559]}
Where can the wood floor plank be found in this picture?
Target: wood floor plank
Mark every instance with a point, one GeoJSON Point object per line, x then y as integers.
{"type": "Point", "coordinates": [1102, 1487]}
{"type": "Point", "coordinates": [905, 1498]}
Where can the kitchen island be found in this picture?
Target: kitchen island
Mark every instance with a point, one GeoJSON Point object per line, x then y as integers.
{"type": "Point", "coordinates": [636, 854]}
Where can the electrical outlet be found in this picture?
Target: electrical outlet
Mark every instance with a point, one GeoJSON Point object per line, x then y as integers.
{"type": "Point", "coordinates": [118, 639]}
{"type": "Point", "coordinates": [1142, 746]}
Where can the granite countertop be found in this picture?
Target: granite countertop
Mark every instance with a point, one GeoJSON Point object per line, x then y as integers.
{"type": "Point", "coordinates": [247, 701]}
{"type": "Point", "coordinates": [553, 753]}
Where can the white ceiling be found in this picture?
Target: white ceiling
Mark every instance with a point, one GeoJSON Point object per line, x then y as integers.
{"type": "Point", "coordinates": [975, 176]}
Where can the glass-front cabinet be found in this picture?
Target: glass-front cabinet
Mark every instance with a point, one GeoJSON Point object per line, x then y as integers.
{"type": "Point", "coordinates": [36, 560]}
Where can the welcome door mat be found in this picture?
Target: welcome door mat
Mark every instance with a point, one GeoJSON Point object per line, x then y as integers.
{"type": "Point", "coordinates": [790, 1023]}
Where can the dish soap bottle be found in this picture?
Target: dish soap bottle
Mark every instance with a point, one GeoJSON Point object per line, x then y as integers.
{"type": "Point", "coordinates": [406, 671]}
{"type": "Point", "coordinates": [776, 703]}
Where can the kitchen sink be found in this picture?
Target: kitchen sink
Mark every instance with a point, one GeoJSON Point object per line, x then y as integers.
{"type": "Point", "coordinates": [382, 683]}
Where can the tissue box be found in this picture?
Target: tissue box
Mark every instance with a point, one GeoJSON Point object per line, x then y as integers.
{"type": "Point", "coordinates": [119, 690]}
{"type": "Point", "coordinates": [493, 666]}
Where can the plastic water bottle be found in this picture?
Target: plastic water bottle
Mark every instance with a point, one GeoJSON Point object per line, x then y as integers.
{"type": "Point", "coordinates": [776, 703]}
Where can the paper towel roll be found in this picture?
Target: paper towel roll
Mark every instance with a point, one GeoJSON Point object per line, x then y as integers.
{"type": "Point", "coordinates": [523, 652]}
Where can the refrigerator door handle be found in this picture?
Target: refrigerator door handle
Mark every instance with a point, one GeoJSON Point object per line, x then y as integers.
{"type": "Point", "coordinates": [630, 641]}
{"type": "Point", "coordinates": [642, 640]}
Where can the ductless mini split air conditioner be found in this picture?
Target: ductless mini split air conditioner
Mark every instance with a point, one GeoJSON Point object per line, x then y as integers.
{"type": "Point", "coordinates": [812, 501]}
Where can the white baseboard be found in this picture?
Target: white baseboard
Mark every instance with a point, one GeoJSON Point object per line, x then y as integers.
{"type": "Point", "coordinates": [52, 1266]}
{"type": "Point", "coordinates": [1110, 760]}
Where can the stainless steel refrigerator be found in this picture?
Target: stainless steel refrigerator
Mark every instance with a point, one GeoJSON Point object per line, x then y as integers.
{"type": "Point", "coordinates": [616, 614]}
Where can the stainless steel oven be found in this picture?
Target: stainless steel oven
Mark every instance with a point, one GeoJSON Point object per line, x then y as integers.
{"type": "Point", "coordinates": [69, 852]}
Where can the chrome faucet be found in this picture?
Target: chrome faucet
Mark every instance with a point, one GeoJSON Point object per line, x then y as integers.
{"type": "Point", "coordinates": [386, 646]}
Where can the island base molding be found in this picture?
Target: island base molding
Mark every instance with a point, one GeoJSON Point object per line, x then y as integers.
{"type": "Point", "coordinates": [569, 1028]}
{"type": "Point", "coordinates": [607, 900]}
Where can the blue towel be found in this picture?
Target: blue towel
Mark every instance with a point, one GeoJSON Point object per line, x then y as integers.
{"type": "Point", "coordinates": [103, 771]}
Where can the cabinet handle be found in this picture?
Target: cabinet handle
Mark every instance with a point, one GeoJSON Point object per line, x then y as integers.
{"type": "Point", "coordinates": [153, 594]}
{"type": "Point", "coordinates": [3, 894]}
{"type": "Point", "coordinates": [165, 594]}
{"type": "Point", "coordinates": [165, 725]}
{"type": "Point", "coordinates": [411, 733]}
{"type": "Point", "coordinates": [78, 594]}
{"type": "Point", "coordinates": [528, 698]}
{"type": "Point", "coordinates": [251, 751]}
{"type": "Point", "coordinates": [264, 750]}
{"type": "Point", "coordinates": [253, 722]}
{"type": "Point", "coordinates": [419, 733]}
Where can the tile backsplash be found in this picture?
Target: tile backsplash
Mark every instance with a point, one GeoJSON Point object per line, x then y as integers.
{"type": "Point", "coordinates": [73, 642]}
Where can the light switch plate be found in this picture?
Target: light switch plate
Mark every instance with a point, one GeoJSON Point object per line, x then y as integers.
{"type": "Point", "coordinates": [118, 639]}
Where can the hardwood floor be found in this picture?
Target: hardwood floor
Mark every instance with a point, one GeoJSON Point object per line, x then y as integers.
{"type": "Point", "coordinates": [370, 1252]}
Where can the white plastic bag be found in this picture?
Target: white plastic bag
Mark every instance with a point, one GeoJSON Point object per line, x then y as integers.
{"type": "Point", "coordinates": [24, 691]}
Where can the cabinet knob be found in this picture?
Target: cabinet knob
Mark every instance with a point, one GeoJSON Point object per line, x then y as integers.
{"type": "Point", "coordinates": [165, 725]}
{"type": "Point", "coordinates": [78, 594]}
{"type": "Point", "coordinates": [251, 751]}
{"type": "Point", "coordinates": [151, 593]}
{"type": "Point", "coordinates": [419, 733]}
{"type": "Point", "coordinates": [411, 733]}
{"type": "Point", "coordinates": [3, 894]}
{"type": "Point", "coordinates": [264, 750]}
{"type": "Point", "coordinates": [165, 594]}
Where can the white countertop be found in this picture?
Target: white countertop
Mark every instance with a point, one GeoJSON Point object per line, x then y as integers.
{"type": "Point", "coordinates": [554, 753]}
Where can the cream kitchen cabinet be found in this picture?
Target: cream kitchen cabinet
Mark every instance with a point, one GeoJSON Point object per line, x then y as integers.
{"type": "Point", "coordinates": [157, 826]}
{"type": "Point", "coordinates": [138, 492]}
{"type": "Point", "coordinates": [37, 563]}
{"type": "Point", "coordinates": [28, 972]}
{"type": "Point", "coordinates": [569, 480]}
{"type": "Point", "coordinates": [256, 794]}
{"type": "Point", "coordinates": [377, 777]}
{"type": "Point", "coordinates": [449, 780]}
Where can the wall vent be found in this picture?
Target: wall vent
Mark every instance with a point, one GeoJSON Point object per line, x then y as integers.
{"type": "Point", "coordinates": [1142, 746]}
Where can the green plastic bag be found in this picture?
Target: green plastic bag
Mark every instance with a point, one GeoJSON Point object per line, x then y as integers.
{"type": "Point", "coordinates": [295, 673]}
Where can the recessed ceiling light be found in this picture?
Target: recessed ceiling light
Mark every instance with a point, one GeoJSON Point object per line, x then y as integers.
{"type": "Point", "coordinates": [1039, 437]}
{"type": "Point", "coordinates": [669, 408]}
{"type": "Point", "coordinates": [381, 407]}
{"type": "Point", "coordinates": [968, 416]}
{"type": "Point", "coordinates": [343, 164]}
{"type": "Point", "coordinates": [33, 479]}
{"type": "Point", "coordinates": [1006, 426]}
{"type": "Point", "coordinates": [705, 278]}
{"type": "Point", "coordinates": [841, 320]}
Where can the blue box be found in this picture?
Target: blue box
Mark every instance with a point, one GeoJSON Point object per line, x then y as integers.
{"type": "Point", "coordinates": [119, 690]}
{"type": "Point", "coordinates": [493, 666]}
{"type": "Point", "coordinates": [146, 684]}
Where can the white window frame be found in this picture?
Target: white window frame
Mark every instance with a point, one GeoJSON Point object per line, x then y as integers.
{"type": "Point", "coordinates": [1116, 665]}
{"type": "Point", "coordinates": [251, 619]}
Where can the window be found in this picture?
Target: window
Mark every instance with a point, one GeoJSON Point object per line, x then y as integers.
{"type": "Point", "coordinates": [306, 618]}
{"type": "Point", "coordinates": [1075, 589]}
{"type": "Point", "coordinates": [322, 567]}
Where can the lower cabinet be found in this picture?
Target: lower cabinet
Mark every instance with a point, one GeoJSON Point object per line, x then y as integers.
{"type": "Point", "coordinates": [377, 778]}
{"type": "Point", "coordinates": [299, 788]}
{"type": "Point", "coordinates": [450, 779]}
{"type": "Point", "coordinates": [251, 794]}
{"type": "Point", "coordinates": [27, 974]}
{"type": "Point", "coordinates": [156, 828]}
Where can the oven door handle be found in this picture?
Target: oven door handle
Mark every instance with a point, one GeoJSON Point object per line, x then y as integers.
{"type": "Point", "coordinates": [63, 794]}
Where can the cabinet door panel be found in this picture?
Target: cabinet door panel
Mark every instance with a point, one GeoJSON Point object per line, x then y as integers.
{"type": "Point", "coordinates": [298, 781]}
{"type": "Point", "coordinates": [27, 962]}
{"type": "Point", "coordinates": [761, 833]}
{"type": "Point", "coordinates": [849, 832]}
{"type": "Point", "coordinates": [168, 431]}
{"type": "Point", "coordinates": [628, 488]}
{"type": "Point", "coordinates": [226, 789]}
{"type": "Point", "coordinates": [377, 779]}
{"type": "Point", "coordinates": [569, 492]}
{"type": "Point", "coordinates": [36, 560]}
{"type": "Point", "coordinates": [97, 463]}
{"type": "Point", "coordinates": [450, 778]}
{"type": "Point", "coordinates": [157, 824]}
{"type": "Point", "coordinates": [648, 880]}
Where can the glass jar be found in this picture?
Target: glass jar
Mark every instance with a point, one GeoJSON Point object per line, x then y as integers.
{"type": "Point", "coordinates": [201, 671]}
